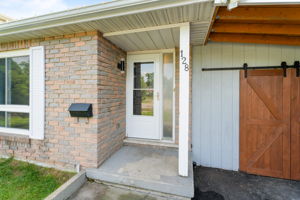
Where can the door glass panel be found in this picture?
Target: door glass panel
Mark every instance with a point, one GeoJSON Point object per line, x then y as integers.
{"type": "Point", "coordinates": [2, 119]}
{"type": "Point", "coordinates": [143, 102]}
{"type": "Point", "coordinates": [2, 81]}
{"type": "Point", "coordinates": [18, 120]}
{"type": "Point", "coordinates": [143, 75]}
{"type": "Point", "coordinates": [18, 80]}
{"type": "Point", "coordinates": [168, 77]}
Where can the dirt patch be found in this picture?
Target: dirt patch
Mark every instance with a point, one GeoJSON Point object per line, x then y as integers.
{"type": "Point", "coordinates": [209, 195]}
{"type": "Point", "coordinates": [215, 184]}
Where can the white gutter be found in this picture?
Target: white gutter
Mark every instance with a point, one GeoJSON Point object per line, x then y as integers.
{"type": "Point", "coordinates": [95, 12]}
{"type": "Point", "coordinates": [259, 2]}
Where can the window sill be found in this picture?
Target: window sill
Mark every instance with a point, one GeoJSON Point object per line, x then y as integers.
{"type": "Point", "coordinates": [14, 132]}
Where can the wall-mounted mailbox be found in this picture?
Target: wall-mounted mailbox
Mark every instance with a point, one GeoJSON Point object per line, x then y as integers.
{"type": "Point", "coordinates": [81, 110]}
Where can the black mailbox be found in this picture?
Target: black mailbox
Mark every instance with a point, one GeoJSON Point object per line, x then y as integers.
{"type": "Point", "coordinates": [81, 110]}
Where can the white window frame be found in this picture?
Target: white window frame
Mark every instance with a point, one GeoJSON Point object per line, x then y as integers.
{"type": "Point", "coordinates": [17, 108]}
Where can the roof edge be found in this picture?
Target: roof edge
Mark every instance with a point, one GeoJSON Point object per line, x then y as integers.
{"type": "Point", "coordinates": [90, 13]}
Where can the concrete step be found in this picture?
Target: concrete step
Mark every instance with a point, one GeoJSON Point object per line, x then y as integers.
{"type": "Point", "coordinates": [146, 168]}
{"type": "Point", "coordinates": [150, 143]}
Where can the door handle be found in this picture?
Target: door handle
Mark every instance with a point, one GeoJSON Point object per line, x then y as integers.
{"type": "Point", "coordinates": [157, 96]}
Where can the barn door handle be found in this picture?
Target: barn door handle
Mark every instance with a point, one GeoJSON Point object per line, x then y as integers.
{"type": "Point", "coordinates": [245, 66]}
{"type": "Point", "coordinates": [297, 66]}
{"type": "Point", "coordinates": [284, 66]}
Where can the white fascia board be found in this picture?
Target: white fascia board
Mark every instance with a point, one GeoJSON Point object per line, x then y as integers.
{"type": "Point", "coordinates": [90, 13]}
{"type": "Point", "coordinates": [259, 2]}
{"type": "Point", "coordinates": [152, 28]}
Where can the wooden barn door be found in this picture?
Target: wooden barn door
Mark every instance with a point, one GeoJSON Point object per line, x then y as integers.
{"type": "Point", "coordinates": [265, 123]}
{"type": "Point", "coordinates": [295, 127]}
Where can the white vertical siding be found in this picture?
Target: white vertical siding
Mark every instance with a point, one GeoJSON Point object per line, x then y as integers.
{"type": "Point", "coordinates": [216, 97]}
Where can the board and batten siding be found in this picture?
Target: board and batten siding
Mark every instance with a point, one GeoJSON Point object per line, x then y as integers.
{"type": "Point", "coordinates": [215, 103]}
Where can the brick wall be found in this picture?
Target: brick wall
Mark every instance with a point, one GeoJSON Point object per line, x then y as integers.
{"type": "Point", "coordinates": [80, 68]}
{"type": "Point", "coordinates": [112, 100]}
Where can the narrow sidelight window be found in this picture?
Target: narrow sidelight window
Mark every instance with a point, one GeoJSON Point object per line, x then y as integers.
{"type": "Point", "coordinates": [168, 86]}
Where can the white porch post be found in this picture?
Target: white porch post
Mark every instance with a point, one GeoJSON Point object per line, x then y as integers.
{"type": "Point", "coordinates": [184, 96]}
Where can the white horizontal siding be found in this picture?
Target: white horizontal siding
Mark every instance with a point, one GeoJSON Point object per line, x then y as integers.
{"type": "Point", "coordinates": [216, 97]}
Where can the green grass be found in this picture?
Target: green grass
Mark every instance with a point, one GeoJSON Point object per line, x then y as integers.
{"type": "Point", "coordinates": [24, 181]}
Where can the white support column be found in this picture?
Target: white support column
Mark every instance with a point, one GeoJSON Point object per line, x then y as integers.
{"type": "Point", "coordinates": [184, 97]}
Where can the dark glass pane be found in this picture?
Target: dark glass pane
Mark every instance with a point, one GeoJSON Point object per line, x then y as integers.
{"type": "Point", "coordinates": [18, 80]}
{"type": "Point", "coordinates": [2, 81]}
{"type": "Point", "coordinates": [18, 120]}
{"type": "Point", "coordinates": [143, 75]}
{"type": "Point", "coordinates": [143, 102]}
{"type": "Point", "coordinates": [2, 119]}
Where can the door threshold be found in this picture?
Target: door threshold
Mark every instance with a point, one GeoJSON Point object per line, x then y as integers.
{"type": "Point", "coordinates": [149, 142]}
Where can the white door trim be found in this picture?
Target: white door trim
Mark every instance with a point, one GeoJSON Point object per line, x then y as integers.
{"type": "Point", "coordinates": [128, 89]}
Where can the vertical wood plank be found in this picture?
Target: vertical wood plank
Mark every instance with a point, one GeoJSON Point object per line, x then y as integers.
{"type": "Point", "coordinates": [238, 54]}
{"type": "Point", "coordinates": [205, 103]}
{"type": "Point", "coordinates": [227, 107]}
{"type": "Point", "coordinates": [215, 120]}
{"type": "Point", "coordinates": [197, 59]}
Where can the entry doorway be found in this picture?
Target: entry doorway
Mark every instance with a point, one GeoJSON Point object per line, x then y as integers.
{"type": "Point", "coordinates": [150, 99]}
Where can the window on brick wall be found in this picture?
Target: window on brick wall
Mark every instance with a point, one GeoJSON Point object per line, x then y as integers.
{"type": "Point", "coordinates": [15, 92]}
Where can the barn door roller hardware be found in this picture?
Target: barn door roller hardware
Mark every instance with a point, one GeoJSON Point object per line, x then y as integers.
{"type": "Point", "coordinates": [245, 67]}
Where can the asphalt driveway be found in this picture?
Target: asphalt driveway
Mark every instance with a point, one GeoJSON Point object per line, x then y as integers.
{"type": "Point", "coordinates": [216, 184]}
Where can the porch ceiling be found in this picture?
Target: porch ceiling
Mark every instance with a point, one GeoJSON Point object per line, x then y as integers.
{"type": "Point", "coordinates": [198, 13]}
{"type": "Point", "coordinates": [257, 24]}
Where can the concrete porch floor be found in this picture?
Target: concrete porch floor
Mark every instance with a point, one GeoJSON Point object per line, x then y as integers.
{"type": "Point", "coordinates": [148, 168]}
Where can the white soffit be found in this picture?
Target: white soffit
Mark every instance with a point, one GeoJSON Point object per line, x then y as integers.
{"type": "Point", "coordinates": [149, 40]}
{"type": "Point", "coordinates": [166, 22]}
{"type": "Point", "coordinates": [198, 13]}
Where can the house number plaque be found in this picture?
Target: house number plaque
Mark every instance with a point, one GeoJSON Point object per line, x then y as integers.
{"type": "Point", "coordinates": [183, 61]}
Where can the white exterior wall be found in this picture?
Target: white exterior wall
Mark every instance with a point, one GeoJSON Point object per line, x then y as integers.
{"type": "Point", "coordinates": [216, 97]}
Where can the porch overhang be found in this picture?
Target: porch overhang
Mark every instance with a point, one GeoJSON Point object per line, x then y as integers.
{"type": "Point", "coordinates": [144, 19]}
{"type": "Point", "coordinates": [259, 24]}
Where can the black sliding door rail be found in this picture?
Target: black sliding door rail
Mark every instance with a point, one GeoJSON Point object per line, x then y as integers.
{"type": "Point", "coordinates": [245, 67]}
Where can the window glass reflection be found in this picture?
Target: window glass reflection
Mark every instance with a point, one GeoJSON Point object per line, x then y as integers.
{"type": "Point", "coordinates": [143, 75]}
{"type": "Point", "coordinates": [18, 80]}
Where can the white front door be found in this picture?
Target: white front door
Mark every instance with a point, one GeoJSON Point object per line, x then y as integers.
{"type": "Point", "coordinates": [143, 96]}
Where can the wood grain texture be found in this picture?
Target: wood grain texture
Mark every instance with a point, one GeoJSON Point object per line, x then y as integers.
{"type": "Point", "coordinates": [255, 38]}
{"type": "Point", "coordinates": [258, 25]}
{"type": "Point", "coordinates": [262, 14]}
{"type": "Point", "coordinates": [255, 28]}
{"type": "Point", "coordinates": [265, 147]}
{"type": "Point", "coordinates": [295, 127]}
